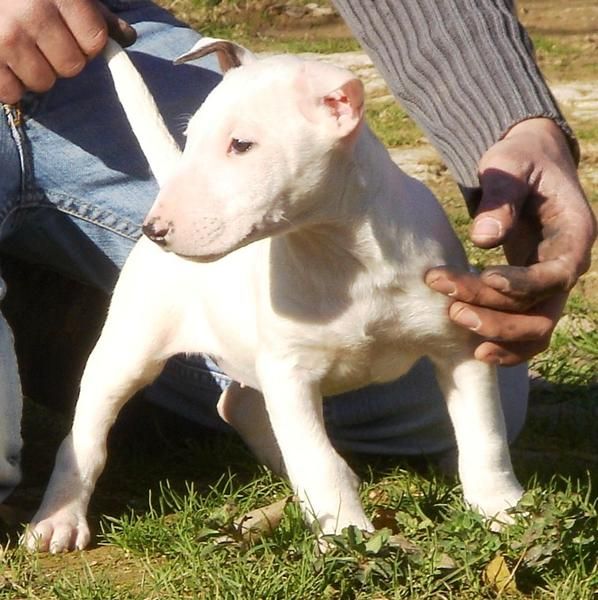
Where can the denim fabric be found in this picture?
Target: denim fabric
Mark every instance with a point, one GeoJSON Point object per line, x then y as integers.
{"type": "Point", "coordinates": [73, 193]}
{"type": "Point", "coordinates": [10, 387]}
{"type": "Point", "coordinates": [10, 410]}
{"type": "Point", "coordinates": [123, 5]}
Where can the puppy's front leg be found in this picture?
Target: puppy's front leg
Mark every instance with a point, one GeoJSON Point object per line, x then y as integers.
{"type": "Point", "coordinates": [129, 354]}
{"type": "Point", "coordinates": [111, 377]}
{"type": "Point", "coordinates": [472, 395]}
{"type": "Point", "coordinates": [325, 484]}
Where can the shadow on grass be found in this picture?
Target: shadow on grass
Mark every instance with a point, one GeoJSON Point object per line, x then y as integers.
{"type": "Point", "coordinates": [560, 434]}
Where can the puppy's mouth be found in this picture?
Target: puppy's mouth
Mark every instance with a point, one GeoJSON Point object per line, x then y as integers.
{"type": "Point", "coordinates": [257, 231]}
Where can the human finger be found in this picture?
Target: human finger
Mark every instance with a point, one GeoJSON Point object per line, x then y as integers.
{"type": "Point", "coordinates": [11, 88]}
{"type": "Point", "coordinates": [62, 51]}
{"type": "Point", "coordinates": [118, 29]}
{"type": "Point", "coordinates": [91, 23]}
{"type": "Point", "coordinates": [86, 24]}
{"type": "Point", "coordinates": [534, 282]}
{"type": "Point", "coordinates": [470, 288]}
{"type": "Point", "coordinates": [510, 353]}
{"type": "Point", "coordinates": [503, 195]}
{"type": "Point", "coordinates": [32, 69]}
{"type": "Point", "coordinates": [535, 324]}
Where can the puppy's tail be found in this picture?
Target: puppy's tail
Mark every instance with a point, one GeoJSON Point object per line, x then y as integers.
{"type": "Point", "coordinates": [159, 147]}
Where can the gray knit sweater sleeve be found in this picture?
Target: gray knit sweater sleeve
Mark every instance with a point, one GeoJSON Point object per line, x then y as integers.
{"type": "Point", "coordinates": [463, 69]}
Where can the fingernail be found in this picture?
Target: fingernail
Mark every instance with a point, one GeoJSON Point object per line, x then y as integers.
{"type": "Point", "coordinates": [491, 358]}
{"type": "Point", "coordinates": [467, 318]}
{"type": "Point", "coordinates": [487, 228]}
{"type": "Point", "coordinates": [128, 31]}
{"type": "Point", "coordinates": [498, 282]}
{"type": "Point", "coordinates": [122, 32]}
{"type": "Point", "coordinates": [443, 285]}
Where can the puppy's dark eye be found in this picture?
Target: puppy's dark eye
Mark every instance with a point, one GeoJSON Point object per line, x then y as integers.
{"type": "Point", "coordinates": [239, 146]}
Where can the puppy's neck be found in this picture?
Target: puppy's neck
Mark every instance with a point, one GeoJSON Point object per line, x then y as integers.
{"type": "Point", "coordinates": [364, 196]}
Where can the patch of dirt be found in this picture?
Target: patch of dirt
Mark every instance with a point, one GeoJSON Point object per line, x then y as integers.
{"type": "Point", "coordinates": [579, 98]}
{"type": "Point", "coordinates": [108, 563]}
{"type": "Point", "coordinates": [570, 18]}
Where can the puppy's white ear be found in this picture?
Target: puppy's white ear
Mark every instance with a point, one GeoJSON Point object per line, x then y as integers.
{"type": "Point", "coordinates": [230, 55]}
{"type": "Point", "coordinates": [334, 94]}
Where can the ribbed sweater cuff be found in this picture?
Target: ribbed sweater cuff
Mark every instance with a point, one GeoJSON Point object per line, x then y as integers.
{"type": "Point", "coordinates": [463, 69]}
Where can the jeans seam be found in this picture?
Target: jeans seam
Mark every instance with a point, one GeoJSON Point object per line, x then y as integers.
{"type": "Point", "coordinates": [201, 376]}
{"type": "Point", "coordinates": [81, 210]}
{"type": "Point", "coordinates": [15, 120]}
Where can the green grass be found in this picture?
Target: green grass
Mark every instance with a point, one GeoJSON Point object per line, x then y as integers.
{"type": "Point", "coordinates": [184, 546]}
{"type": "Point", "coordinates": [587, 131]}
{"type": "Point", "coordinates": [261, 26]}
{"type": "Point", "coordinates": [547, 46]}
{"type": "Point", "coordinates": [392, 124]}
{"type": "Point", "coordinates": [572, 59]}
{"type": "Point", "coordinates": [572, 357]}
{"type": "Point", "coordinates": [307, 44]}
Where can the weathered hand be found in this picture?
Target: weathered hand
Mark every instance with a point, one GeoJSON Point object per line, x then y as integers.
{"type": "Point", "coordinates": [41, 40]}
{"type": "Point", "coordinates": [533, 204]}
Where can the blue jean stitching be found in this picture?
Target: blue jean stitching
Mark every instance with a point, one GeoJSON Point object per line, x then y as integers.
{"type": "Point", "coordinates": [197, 375]}
{"type": "Point", "coordinates": [81, 210]}
{"type": "Point", "coordinates": [14, 120]}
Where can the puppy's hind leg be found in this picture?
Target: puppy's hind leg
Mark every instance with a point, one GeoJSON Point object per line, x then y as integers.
{"type": "Point", "coordinates": [244, 409]}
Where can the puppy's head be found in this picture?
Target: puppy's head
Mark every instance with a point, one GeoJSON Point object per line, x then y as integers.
{"type": "Point", "coordinates": [262, 153]}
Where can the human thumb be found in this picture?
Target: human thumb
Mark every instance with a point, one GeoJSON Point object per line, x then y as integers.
{"type": "Point", "coordinates": [503, 195]}
{"type": "Point", "coordinates": [118, 29]}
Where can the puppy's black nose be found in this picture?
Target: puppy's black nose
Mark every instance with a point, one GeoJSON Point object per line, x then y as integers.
{"type": "Point", "coordinates": [156, 231]}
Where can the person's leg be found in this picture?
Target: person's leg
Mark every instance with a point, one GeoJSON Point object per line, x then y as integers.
{"type": "Point", "coordinates": [404, 418]}
{"type": "Point", "coordinates": [10, 412]}
{"type": "Point", "coordinates": [409, 416]}
{"type": "Point", "coordinates": [10, 387]}
{"type": "Point", "coordinates": [87, 186]}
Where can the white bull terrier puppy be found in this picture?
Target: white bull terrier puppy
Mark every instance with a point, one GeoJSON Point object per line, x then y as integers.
{"type": "Point", "coordinates": [286, 244]}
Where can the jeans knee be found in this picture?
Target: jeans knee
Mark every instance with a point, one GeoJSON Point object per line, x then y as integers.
{"type": "Point", "coordinates": [514, 391]}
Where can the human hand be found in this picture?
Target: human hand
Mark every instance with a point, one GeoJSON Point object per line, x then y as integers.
{"type": "Point", "coordinates": [41, 40]}
{"type": "Point", "coordinates": [533, 204]}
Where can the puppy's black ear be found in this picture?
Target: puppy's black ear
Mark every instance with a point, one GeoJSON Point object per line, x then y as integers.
{"type": "Point", "coordinates": [230, 55]}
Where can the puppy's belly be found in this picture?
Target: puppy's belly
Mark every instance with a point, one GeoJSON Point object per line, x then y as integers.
{"type": "Point", "coordinates": [351, 369]}
{"type": "Point", "coordinates": [359, 368]}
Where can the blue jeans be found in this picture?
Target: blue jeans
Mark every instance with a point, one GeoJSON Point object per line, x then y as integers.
{"type": "Point", "coordinates": [73, 194]}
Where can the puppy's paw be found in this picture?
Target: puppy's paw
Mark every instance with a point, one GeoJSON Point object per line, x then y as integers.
{"type": "Point", "coordinates": [333, 522]}
{"type": "Point", "coordinates": [332, 526]}
{"type": "Point", "coordinates": [62, 531]}
{"type": "Point", "coordinates": [497, 505]}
